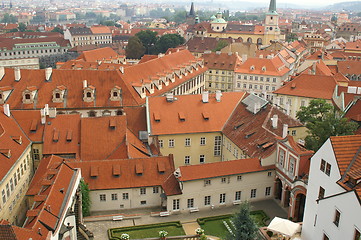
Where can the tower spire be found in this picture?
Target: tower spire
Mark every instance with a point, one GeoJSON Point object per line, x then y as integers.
{"type": "Point", "coordinates": [192, 13]}
{"type": "Point", "coordinates": [272, 7]}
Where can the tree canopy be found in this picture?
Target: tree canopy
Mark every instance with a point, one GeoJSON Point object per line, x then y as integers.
{"type": "Point", "coordinates": [135, 48]}
{"type": "Point", "coordinates": [58, 29]}
{"type": "Point", "coordinates": [148, 39]}
{"type": "Point", "coordinates": [322, 121]}
{"type": "Point", "coordinates": [221, 44]}
{"type": "Point", "coordinates": [169, 41]}
{"type": "Point", "coordinates": [8, 18]}
{"type": "Point", "coordinates": [245, 227]}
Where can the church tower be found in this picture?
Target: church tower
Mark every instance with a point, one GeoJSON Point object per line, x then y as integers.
{"type": "Point", "coordinates": [191, 17]}
{"type": "Point", "coordinates": [272, 30]}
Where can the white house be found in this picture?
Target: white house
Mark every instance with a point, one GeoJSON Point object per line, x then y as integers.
{"type": "Point", "coordinates": [333, 208]}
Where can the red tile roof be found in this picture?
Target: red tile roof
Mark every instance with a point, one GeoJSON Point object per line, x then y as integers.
{"type": "Point", "coordinates": [10, 43]}
{"type": "Point", "coordinates": [30, 123]}
{"type": "Point", "coordinates": [221, 61]}
{"type": "Point", "coordinates": [219, 169]}
{"type": "Point", "coordinates": [349, 67]}
{"type": "Point", "coordinates": [353, 46]}
{"type": "Point", "coordinates": [311, 86]}
{"type": "Point", "coordinates": [263, 66]}
{"type": "Point", "coordinates": [98, 54]}
{"type": "Point", "coordinates": [100, 30]}
{"type": "Point", "coordinates": [199, 116]}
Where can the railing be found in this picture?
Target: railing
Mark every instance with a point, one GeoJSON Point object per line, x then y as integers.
{"type": "Point", "coordinates": [186, 237]}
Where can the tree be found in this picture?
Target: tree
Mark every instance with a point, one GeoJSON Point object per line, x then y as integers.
{"type": "Point", "coordinates": [84, 189]}
{"type": "Point", "coordinates": [169, 41]}
{"type": "Point", "coordinates": [58, 29]}
{"type": "Point", "coordinates": [220, 45]}
{"type": "Point", "coordinates": [135, 48]}
{"type": "Point", "coordinates": [22, 27]}
{"type": "Point", "coordinates": [148, 39]}
{"type": "Point", "coordinates": [322, 121]}
{"type": "Point", "coordinates": [245, 227]}
{"type": "Point", "coordinates": [8, 18]}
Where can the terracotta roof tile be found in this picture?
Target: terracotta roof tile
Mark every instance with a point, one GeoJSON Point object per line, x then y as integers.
{"type": "Point", "coordinates": [221, 61]}
{"type": "Point", "coordinates": [263, 66]}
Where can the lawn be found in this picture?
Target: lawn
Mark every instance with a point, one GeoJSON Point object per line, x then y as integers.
{"type": "Point", "coordinates": [214, 226]}
{"type": "Point", "coordinates": [147, 231]}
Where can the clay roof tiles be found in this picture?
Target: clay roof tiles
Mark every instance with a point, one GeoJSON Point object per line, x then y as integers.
{"type": "Point", "coordinates": [221, 61]}
{"type": "Point", "coordinates": [263, 66]}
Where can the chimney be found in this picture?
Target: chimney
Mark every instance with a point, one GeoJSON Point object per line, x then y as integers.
{"type": "Point", "coordinates": [48, 72]}
{"type": "Point", "coordinates": [313, 71]}
{"type": "Point", "coordinates": [52, 112]}
{"type": "Point", "coordinates": [169, 97]}
{"type": "Point", "coordinates": [274, 121]}
{"type": "Point", "coordinates": [244, 58]}
{"type": "Point", "coordinates": [7, 110]}
{"type": "Point", "coordinates": [46, 109]}
{"type": "Point", "coordinates": [85, 84]}
{"type": "Point", "coordinates": [43, 116]}
{"type": "Point", "coordinates": [121, 69]}
{"type": "Point", "coordinates": [256, 108]}
{"type": "Point", "coordinates": [2, 72]}
{"type": "Point", "coordinates": [205, 96]}
{"type": "Point", "coordinates": [285, 130]}
{"type": "Point", "coordinates": [218, 52]}
{"type": "Point", "coordinates": [218, 95]}
{"type": "Point", "coordinates": [17, 74]}
{"type": "Point", "coordinates": [261, 56]}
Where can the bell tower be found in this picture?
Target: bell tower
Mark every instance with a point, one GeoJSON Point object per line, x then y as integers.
{"type": "Point", "coordinates": [272, 31]}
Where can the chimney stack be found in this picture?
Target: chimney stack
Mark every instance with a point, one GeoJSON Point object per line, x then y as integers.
{"type": "Point", "coordinates": [85, 84]}
{"type": "Point", "coordinates": [17, 74]}
{"type": "Point", "coordinates": [121, 69]}
{"type": "Point", "coordinates": [218, 95]}
{"type": "Point", "coordinates": [43, 116]}
{"type": "Point", "coordinates": [285, 130]}
{"type": "Point", "coordinates": [2, 72]}
{"type": "Point", "coordinates": [205, 96]}
{"type": "Point", "coordinates": [46, 109]}
{"type": "Point", "coordinates": [48, 72]}
{"type": "Point", "coordinates": [7, 110]}
{"type": "Point", "coordinates": [274, 121]}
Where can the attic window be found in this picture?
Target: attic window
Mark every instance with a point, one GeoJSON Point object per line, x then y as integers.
{"type": "Point", "coordinates": [27, 96]}
{"type": "Point", "coordinates": [205, 115]}
{"type": "Point", "coordinates": [182, 116]}
{"type": "Point", "coordinates": [112, 123]}
{"type": "Point", "coordinates": [6, 152]}
{"type": "Point", "coordinates": [262, 143]}
{"type": "Point", "coordinates": [94, 171]}
{"type": "Point", "coordinates": [161, 167]}
{"type": "Point", "coordinates": [69, 136]}
{"type": "Point", "coordinates": [252, 68]}
{"type": "Point", "coordinates": [293, 85]}
{"type": "Point", "coordinates": [139, 169]}
{"type": "Point", "coordinates": [238, 126]}
{"type": "Point", "coordinates": [249, 134]}
{"type": "Point", "coordinates": [17, 139]}
{"type": "Point", "coordinates": [264, 68]}
{"type": "Point", "coordinates": [116, 170]}
{"type": "Point", "coordinates": [156, 116]}
{"type": "Point", "coordinates": [267, 145]}
{"type": "Point", "coordinates": [55, 136]}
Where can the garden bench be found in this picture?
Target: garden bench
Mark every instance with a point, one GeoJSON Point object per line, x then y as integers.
{"type": "Point", "coordinates": [195, 209]}
{"type": "Point", "coordinates": [237, 202]}
{"type": "Point", "coordinates": [164, 214]}
{"type": "Point", "coordinates": [118, 218]}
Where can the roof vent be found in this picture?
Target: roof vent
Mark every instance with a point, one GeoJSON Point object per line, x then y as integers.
{"type": "Point", "coordinates": [218, 95]}
{"type": "Point", "coordinates": [170, 97]}
{"type": "Point", "coordinates": [116, 170]}
{"type": "Point", "coordinates": [205, 96]}
{"type": "Point", "coordinates": [143, 136]}
{"type": "Point", "coordinates": [205, 115]}
{"type": "Point", "coordinates": [112, 123]}
{"type": "Point", "coordinates": [69, 135]}
{"type": "Point", "coordinates": [274, 121]}
{"type": "Point", "coordinates": [182, 116]}
{"type": "Point", "coordinates": [17, 74]}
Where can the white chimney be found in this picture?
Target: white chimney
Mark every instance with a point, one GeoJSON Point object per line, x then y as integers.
{"type": "Point", "coordinates": [85, 84]}
{"type": "Point", "coordinates": [205, 96]}
{"type": "Point", "coordinates": [121, 69]}
{"type": "Point", "coordinates": [7, 110]}
{"type": "Point", "coordinates": [169, 97]}
{"type": "Point", "coordinates": [17, 74]}
{"type": "Point", "coordinates": [2, 72]}
{"type": "Point", "coordinates": [46, 109]}
{"type": "Point", "coordinates": [48, 72]}
{"type": "Point", "coordinates": [218, 95]}
{"type": "Point", "coordinates": [43, 116]}
{"type": "Point", "coordinates": [257, 106]}
{"type": "Point", "coordinates": [261, 56]}
{"type": "Point", "coordinates": [274, 121]}
{"type": "Point", "coordinates": [244, 58]}
{"type": "Point", "coordinates": [52, 112]}
{"type": "Point", "coordinates": [285, 130]}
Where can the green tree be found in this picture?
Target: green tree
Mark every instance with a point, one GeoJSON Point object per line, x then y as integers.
{"type": "Point", "coordinates": [135, 48]}
{"type": "Point", "coordinates": [148, 39]}
{"type": "Point", "coordinates": [8, 18]}
{"type": "Point", "coordinates": [22, 27]}
{"type": "Point", "coordinates": [245, 227]}
{"type": "Point", "coordinates": [84, 189]}
{"type": "Point", "coordinates": [107, 23]}
{"type": "Point", "coordinates": [169, 41]}
{"type": "Point", "coordinates": [58, 29]}
{"type": "Point", "coordinates": [221, 44]}
{"type": "Point", "coordinates": [322, 121]}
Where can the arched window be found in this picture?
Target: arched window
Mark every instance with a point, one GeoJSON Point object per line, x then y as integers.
{"type": "Point", "coordinates": [88, 94]}
{"type": "Point", "coordinates": [57, 95]}
{"type": "Point", "coordinates": [27, 96]}
{"type": "Point", "coordinates": [115, 94]}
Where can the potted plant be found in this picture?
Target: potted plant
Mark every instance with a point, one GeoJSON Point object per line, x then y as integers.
{"type": "Point", "coordinates": [199, 231]}
{"type": "Point", "coordinates": [124, 236]}
{"type": "Point", "coordinates": [162, 234]}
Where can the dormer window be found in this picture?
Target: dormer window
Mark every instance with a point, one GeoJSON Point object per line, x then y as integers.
{"type": "Point", "coordinates": [264, 68]}
{"type": "Point", "coordinates": [116, 94]}
{"type": "Point", "coordinates": [252, 67]}
{"type": "Point", "coordinates": [58, 94]}
{"type": "Point", "coordinates": [29, 95]}
{"type": "Point", "coordinates": [89, 93]}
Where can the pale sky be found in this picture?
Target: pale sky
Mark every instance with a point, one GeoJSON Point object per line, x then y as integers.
{"type": "Point", "coordinates": [308, 2]}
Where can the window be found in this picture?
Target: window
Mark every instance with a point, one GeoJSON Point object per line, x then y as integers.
{"type": "Point", "coordinates": [188, 142]}
{"type": "Point", "coordinates": [36, 154]}
{"type": "Point", "coordinates": [143, 191]}
{"type": "Point", "coordinates": [11, 185]}
{"type": "Point", "coordinates": [328, 169]}
{"type": "Point", "coordinates": [239, 178]}
{"type": "Point", "coordinates": [207, 182]}
{"type": "Point", "coordinates": [323, 165]}
{"type": "Point", "coordinates": [155, 189]}
{"type": "Point", "coordinates": [237, 197]}
{"type": "Point", "coordinates": [292, 165]}
{"type": "Point", "coordinates": [337, 218]}
{"type": "Point", "coordinates": [3, 196]}
{"type": "Point", "coordinates": [175, 204]}
{"type": "Point", "coordinates": [253, 193]}
{"type": "Point", "coordinates": [293, 132]}
{"type": "Point", "coordinates": [190, 203]}
{"type": "Point", "coordinates": [202, 158]}
{"type": "Point", "coordinates": [125, 196]}
{"type": "Point", "coordinates": [143, 202]}
{"type": "Point", "coordinates": [103, 197]}
{"type": "Point", "coordinates": [203, 141]}
{"type": "Point", "coordinates": [171, 143]}
{"type": "Point", "coordinates": [7, 190]}
{"type": "Point", "coordinates": [217, 145]}
{"type": "Point", "coordinates": [187, 160]}
{"type": "Point", "coordinates": [222, 198]}
{"type": "Point", "coordinates": [274, 79]}
{"type": "Point", "coordinates": [269, 174]}
{"type": "Point", "coordinates": [114, 196]}
{"type": "Point", "coordinates": [207, 200]}
{"type": "Point", "coordinates": [160, 142]}
{"type": "Point", "coordinates": [15, 180]}
{"type": "Point", "coordinates": [268, 191]}
{"type": "Point", "coordinates": [321, 193]}
{"type": "Point", "coordinates": [281, 157]}
{"type": "Point", "coordinates": [223, 180]}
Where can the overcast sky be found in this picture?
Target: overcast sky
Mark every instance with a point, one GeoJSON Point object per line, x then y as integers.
{"type": "Point", "coordinates": [308, 2]}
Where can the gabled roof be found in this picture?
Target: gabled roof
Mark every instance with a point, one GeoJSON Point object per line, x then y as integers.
{"type": "Point", "coordinates": [349, 67]}
{"type": "Point", "coordinates": [311, 86]}
{"type": "Point", "coordinates": [9, 43]}
{"type": "Point", "coordinates": [201, 44]}
{"type": "Point", "coordinates": [220, 169]}
{"type": "Point", "coordinates": [199, 116]}
{"type": "Point", "coordinates": [98, 54]}
{"type": "Point", "coordinates": [100, 30]}
{"type": "Point", "coordinates": [78, 31]}
{"type": "Point", "coordinates": [263, 66]}
{"type": "Point", "coordinates": [221, 61]}
{"type": "Point", "coordinates": [30, 123]}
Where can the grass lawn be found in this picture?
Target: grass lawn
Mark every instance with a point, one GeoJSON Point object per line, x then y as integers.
{"type": "Point", "coordinates": [146, 231]}
{"type": "Point", "coordinates": [214, 225]}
